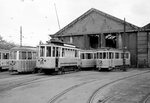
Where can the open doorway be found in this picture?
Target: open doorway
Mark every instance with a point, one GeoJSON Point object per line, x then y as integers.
{"type": "Point", "coordinates": [93, 41]}
{"type": "Point", "coordinates": [110, 40]}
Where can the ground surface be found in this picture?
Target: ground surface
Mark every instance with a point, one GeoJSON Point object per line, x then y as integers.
{"type": "Point", "coordinates": [132, 86]}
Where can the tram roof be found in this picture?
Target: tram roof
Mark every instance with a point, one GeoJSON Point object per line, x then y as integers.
{"type": "Point", "coordinates": [103, 49]}
{"type": "Point", "coordinates": [63, 45]}
{"type": "Point", "coordinates": [4, 50]}
{"type": "Point", "coordinates": [24, 48]}
{"type": "Point", "coordinates": [109, 49]}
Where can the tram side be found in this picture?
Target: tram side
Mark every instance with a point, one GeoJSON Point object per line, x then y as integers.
{"type": "Point", "coordinates": [4, 59]}
{"type": "Point", "coordinates": [109, 59]}
{"type": "Point", "coordinates": [88, 59]}
{"type": "Point", "coordinates": [57, 58]}
{"type": "Point", "coordinates": [22, 59]}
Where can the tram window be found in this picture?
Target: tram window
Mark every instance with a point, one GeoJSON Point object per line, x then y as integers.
{"type": "Point", "coordinates": [63, 52]}
{"type": "Point", "coordinates": [22, 55]}
{"type": "Point", "coordinates": [14, 55]}
{"type": "Point", "coordinates": [122, 55]}
{"type": "Point", "coordinates": [100, 56]}
{"type": "Point", "coordinates": [42, 51]}
{"type": "Point", "coordinates": [48, 51]}
{"type": "Point", "coordinates": [126, 55]}
{"type": "Point", "coordinates": [112, 55]}
{"type": "Point", "coordinates": [88, 56]}
{"type": "Point", "coordinates": [109, 55]}
{"type": "Point", "coordinates": [94, 55]}
{"type": "Point", "coordinates": [57, 52]}
{"type": "Point", "coordinates": [54, 51]}
{"type": "Point", "coordinates": [34, 55]}
{"type": "Point", "coordinates": [76, 53]}
{"type": "Point", "coordinates": [104, 55]}
{"type": "Point", "coordinates": [82, 56]}
{"type": "Point", "coordinates": [5, 55]}
{"type": "Point", "coordinates": [29, 55]}
{"type": "Point", "coordinates": [117, 55]}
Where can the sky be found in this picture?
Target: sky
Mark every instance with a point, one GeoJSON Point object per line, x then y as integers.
{"type": "Point", "coordinates": [38, 17]}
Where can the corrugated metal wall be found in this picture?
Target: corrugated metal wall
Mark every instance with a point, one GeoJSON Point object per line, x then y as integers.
{"type": "Point", "coordinates": [142, 45]}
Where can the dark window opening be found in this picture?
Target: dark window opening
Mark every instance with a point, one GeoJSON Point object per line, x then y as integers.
{"type": "Point", "coordinates": [110, 40]}
{"type": "Point", "coordinates": [93, 41]}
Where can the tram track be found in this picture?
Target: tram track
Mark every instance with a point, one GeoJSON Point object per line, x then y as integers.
{"type": "Point", "coordinates": [56, 97]}
{"type": "Point", "coordinates": [146, 99]}
{"type": "Point", "coordinates": [93, 95]}
{"type": "Point", "coordinates": [104, 100]}
{"type": "Point", "coordinates": [17, 82]}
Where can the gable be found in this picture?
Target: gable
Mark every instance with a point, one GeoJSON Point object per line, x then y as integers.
{"type": "Point", "coordinates": [93, 22]}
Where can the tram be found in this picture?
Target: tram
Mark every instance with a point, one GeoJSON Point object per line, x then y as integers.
{"type": "Point", "coordinates": [88, 59]}
{"type": "Point", "coordinates": [4, 59]}
{"type": "Point", "coordinates": [22, 59]}
{"type": "Point", "coordinates": [112, 58]}
{"type": "Point", "coordinates": [56, 56]}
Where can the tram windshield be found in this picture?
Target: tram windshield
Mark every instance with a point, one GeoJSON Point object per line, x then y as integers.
{"type": "Point", "coordinates": [22, 55]}
{"type": "Point", "coordinates": [42, 51]}
{"type": "Point", "coordinates": [5, 55]}
{"type": "Point", "coordinates": [48, 51]}
{"type": "Point", "coordinates": [13, 55]}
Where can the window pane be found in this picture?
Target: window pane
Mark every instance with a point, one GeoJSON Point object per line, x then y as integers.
{"type": "Point", "coordinates": [82, 56]}
{"type": "Point", "coordinates": [117, 55]}
{"type": "Point", "coordinates": [53, 51]}
{"type": "Point", "coordinates": [42, 51]}
{"type": "Point", "coordinates": [94, 55]}
{"type": "Point", "coordinates": [122, 55]}
{"type": "Point", "coordinates": [22, 55]}
{"type": "Point", "coordinates": [13, 55]}
{"type": "Point", "coordinates": [63, 52]}
{"type": "Point", "coordinates": [29, 55]}
{"type": "Point", "coordinates": [88, 55]}
{"type": "Point", "coordinates": [34, 55]}
{"type": "Point", "coordinates": [48, 52]}
{"type": "Point", "coordinates": [76, 53]}
{"type": "Point", "coordinates": [104, 55]}
{"type": "Point", "coordinates": [5, 55]}
{"type": "Point", "coordinates": [57, 51]}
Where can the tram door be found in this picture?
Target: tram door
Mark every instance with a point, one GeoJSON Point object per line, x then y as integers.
{"type": "Point", "coordinates": [57, 57]}
{"type": "Point", "coordinates": [111, 61]}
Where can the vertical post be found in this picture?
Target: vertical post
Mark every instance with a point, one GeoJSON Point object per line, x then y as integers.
{"type": "Point", "coordinates": [57, 16]}
{"type": "Point", "coordinates": [20, 35]}
{"type": "Point", "coordinates": [124, 69]}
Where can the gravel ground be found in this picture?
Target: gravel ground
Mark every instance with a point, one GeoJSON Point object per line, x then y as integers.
{"type": "Point", "coordinates": [75, 87]}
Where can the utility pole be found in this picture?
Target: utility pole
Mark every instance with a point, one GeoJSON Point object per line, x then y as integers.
{"type": "Point", "coordinates": [57, 16]}
{"type": "Point", "coordinates": [20, 36]}
{"type": "Point", "coordinates": [124, 61]}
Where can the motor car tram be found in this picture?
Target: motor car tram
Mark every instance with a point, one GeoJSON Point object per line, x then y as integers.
{"type": "Point", "coordinates": [59, 57]}
{"type": "Point", "coordinates": [4, 59]}
{"type": "Point", "coordinates": [88, 59]}
{"type": "Point", "coordinates": [22, 59]}
{"type": "Point", "coordinates": [109, 59]}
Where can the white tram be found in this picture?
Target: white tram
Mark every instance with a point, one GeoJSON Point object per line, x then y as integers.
{"type": "Point", "coordinates": [22, 59]}
{"type": "Point", "coordinates": [88, 59]}
{"type": "Point", "coordinates": [57, 57]}
{"type": "Point", "coordinates": [112, 58]}
{"type": "Point", "coordinates": [4, 59]}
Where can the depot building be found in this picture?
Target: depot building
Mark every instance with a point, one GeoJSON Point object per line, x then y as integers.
{"type": "Point", "coordinates": [96, 29]}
